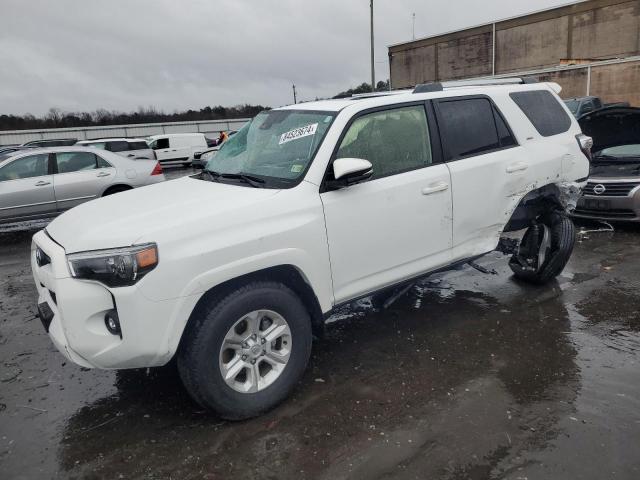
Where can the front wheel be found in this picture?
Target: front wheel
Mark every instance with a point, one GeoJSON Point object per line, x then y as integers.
{"type": "Point", "coordinates": [245, 352]}
{"type": "Point", "coordinates": [545, 249]}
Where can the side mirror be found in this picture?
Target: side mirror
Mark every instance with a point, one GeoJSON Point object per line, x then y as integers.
{"type": "Point", "coordinates": [349, 171]}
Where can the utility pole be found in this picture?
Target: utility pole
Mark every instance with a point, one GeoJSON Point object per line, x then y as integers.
{"type": "Point", "coordinates": [413, 29]}
{"type": "Point", "coordinates": [295, 100]}
{"type": "Point", "coordinates": [373, 65]}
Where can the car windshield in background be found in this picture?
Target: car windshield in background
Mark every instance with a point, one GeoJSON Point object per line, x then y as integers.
{"type": "Point", "coordinates": [276, 147]}
{"type": "Point", "coordinates": [622, 152]}
{"type": "Point", "coordinates": [572, 105]}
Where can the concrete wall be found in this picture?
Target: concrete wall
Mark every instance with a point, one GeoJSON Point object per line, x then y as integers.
{"type": "Point", "coordinates": [210, 128]}
{"type": "Point", "coordinates": [592, 30]}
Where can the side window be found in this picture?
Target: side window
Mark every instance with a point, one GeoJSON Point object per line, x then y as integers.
{"type": "Point", "coordinates": [504, 135]}
{"type": "Point", "coordinates": [102, 163]}
{"type": "Point", "coordinates": [543, 111]}
{"type": "Point", "coordinates": [117, 146]}
{"type": "Point", "coordinates": [161, 143]}
{"type": "Point", "coordinates": [138, 146]}
{"type": "Point", "coordinates": [75, 161]}
{"type": "Point", "coordinates": [394, 141]}
{"type": "Point", "coordinates": [468, 127]}
{"type": "Point", "coordinates": [25, 167]}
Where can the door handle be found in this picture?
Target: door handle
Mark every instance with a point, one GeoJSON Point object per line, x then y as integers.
{"type": "Point", "coordinates": [517, 167]}
{"type": "Point", "coordinates": [131, 155]}
{"type": "Point", "coordinates": [435, 188]}
{"type": "Point", "coordinates": [42, 183]}
{"type": "Point", "coordinates": [103, 174]}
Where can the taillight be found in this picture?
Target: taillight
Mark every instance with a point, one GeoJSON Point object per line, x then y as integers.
{"type": "Point", "coordinates": [586, 143]}
{"type": "Point", "coordinates": [157, 170]}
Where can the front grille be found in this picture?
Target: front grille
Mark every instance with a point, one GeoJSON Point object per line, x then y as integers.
{"type": "Point", "coordinates": [613, 189]}
{"type": "Point", "coordinates": [612, 213]}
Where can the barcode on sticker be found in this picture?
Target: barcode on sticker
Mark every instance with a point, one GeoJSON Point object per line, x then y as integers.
{"type": "Point", "coordinates": [298, 133]}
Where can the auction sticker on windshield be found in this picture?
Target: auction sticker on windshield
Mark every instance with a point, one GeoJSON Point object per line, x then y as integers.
{"type": "Point", "coordinates": [297, 133]}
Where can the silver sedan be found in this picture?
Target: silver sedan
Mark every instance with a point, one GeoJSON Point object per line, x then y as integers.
{"type": "Point", "coordinates": [38, 184]}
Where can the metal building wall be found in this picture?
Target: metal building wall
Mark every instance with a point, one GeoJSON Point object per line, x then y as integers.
{"type": "Point", "coordinates": [594, 30]}
{"type": "Point", "coordinates": [208, 127]}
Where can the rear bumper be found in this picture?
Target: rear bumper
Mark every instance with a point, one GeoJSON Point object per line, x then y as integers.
{"type": "Point", "coordinates": [612, 208]}
{"type": "Point", "coordinates": [76, 321]}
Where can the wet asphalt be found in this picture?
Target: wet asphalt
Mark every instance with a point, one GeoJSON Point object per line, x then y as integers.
{"type": "Point", "coordinates": [466, 376]}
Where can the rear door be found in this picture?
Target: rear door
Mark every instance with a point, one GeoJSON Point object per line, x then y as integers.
{"type": "Point", "coordinates": [488, 170]}
{"type": "Point", "coordinates": [26, 189]}
{"type": "Point", "coordinates": [181, 148]}
{"type": "Point", "coordinates": [80, 176]}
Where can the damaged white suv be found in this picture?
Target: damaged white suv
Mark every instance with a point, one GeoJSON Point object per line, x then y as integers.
{"type": "Point", "coordinates": [306, 208]}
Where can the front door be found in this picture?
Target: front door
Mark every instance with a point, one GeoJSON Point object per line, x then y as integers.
{"type": "Point", "coordinates": [397, 224]}
{"type": "Point", "coordinates": [26, 189]}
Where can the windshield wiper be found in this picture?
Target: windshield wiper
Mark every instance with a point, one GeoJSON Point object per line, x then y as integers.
{"type": "Point", "coordinates": [213, 176]}
{"type": "Point", "coordinates": [245, 177]}
{"type": "Point", "coordinates": [254, 181]}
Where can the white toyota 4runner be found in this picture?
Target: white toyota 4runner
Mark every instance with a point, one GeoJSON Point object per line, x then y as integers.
{"type": "Point", "coordinates": [306, 208]}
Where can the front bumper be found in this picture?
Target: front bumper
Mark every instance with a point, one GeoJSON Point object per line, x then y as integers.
{"type": "Point", "coordinates": [76, 324]}
{"type": "Point", "coordinates": [619, 207]}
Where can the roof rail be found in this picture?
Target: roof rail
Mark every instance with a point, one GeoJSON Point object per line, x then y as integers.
{"type": "Point", "coordinates": [375, 94]}
{"type": "Point", "coordinates": [439, 86]}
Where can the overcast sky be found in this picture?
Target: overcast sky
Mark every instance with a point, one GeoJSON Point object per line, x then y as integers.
{"type": "Point", "coordinates": [80, 55]}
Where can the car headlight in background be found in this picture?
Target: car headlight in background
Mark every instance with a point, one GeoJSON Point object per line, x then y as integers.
{"type": "Point", "coordinates": [115, 267]}
{"type": "Point", "coordinates": [208, 155]}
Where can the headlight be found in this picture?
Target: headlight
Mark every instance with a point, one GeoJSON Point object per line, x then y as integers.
{"type": "Point", "coordinates": [116, 267]}
{"type": "Point", "coordinates": [209, 155]}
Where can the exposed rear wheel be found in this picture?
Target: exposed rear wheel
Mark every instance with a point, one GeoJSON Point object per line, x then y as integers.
{"type": "Point", "coordinates": [245, 352]}
{"type": "Point", "coordinates": [545, 249]}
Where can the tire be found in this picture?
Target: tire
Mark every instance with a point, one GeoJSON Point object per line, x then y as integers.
{"type": "Point", "coordinates": [562, 239]}
{"type": "Point", "coordinates": [201, 352]}
{"type": "Point", "coordinates": [118, 189]}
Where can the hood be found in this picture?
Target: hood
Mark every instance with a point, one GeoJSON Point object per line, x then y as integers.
{"type": "Point", "coordinates": [612, 127]}
{"type": "Point", "coordinates": [122, 219]}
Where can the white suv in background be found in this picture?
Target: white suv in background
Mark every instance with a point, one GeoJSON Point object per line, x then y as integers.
{"type": "Point", "coordinates": [306, 208]}
{"type": "Point", "coordinates": [135, 148]}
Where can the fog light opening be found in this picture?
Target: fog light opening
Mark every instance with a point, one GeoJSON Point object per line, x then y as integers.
{"type": "Point", "coordinates": [112, 322]}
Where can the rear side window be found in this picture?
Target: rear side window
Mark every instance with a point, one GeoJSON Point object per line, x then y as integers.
{"type": "Point", "coordinates": [543, 110]}
{"type": "Point", "coordinates": [472, 126]}
{"type": "Point", "coordinates": [102, 163]}
{"type": "Point", "coordinates": [118, 146]}
{"type": "Point", "coordinates": [160, 143]}
{"type": "Point", "coordinates": [138, 146]}
{"type": "Point", "coordinates": [75, 161]}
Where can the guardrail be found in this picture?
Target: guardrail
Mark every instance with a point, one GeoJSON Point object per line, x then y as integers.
{"type": "Point", "coordinates": [208, 127]}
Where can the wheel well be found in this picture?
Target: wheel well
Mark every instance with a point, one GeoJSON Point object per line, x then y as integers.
{"type": "Point", "coordinates": [116, 188]}
{"type": "Point", "coordinates": [534, 204]}
{"type": "Point", "coordinates": [286, 274]}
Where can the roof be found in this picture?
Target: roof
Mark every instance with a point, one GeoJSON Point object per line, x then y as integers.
{"type": "Point", "coordinates": [110, 139]}
{"type": "Point", "coordinates": [463, 87]}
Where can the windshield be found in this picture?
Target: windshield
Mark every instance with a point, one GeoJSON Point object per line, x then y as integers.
{"type": "Point", "coordinates": [277, 146]}
{"type": "Point", "coordinates": [572, 105]}
{"type": "Point", "coordinates": [621, 151]}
